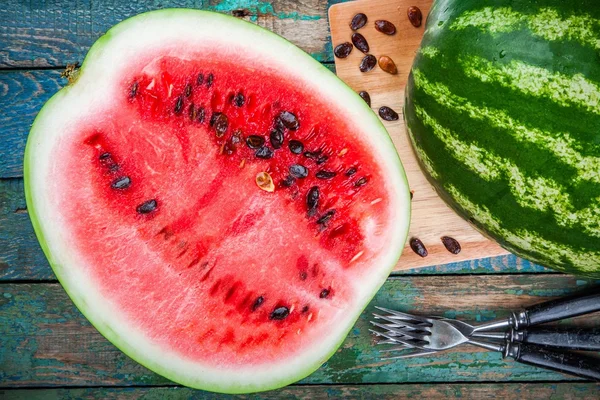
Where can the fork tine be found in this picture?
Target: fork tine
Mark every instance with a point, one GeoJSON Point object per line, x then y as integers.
{"type": "Point", "coordinates": [399, 340]}
{"type": "Point", "coordinates": [402, 315]}
{"type": "Point", "coordinates": [401, 332]}
{"type": "Point", "coordinates": [399, 323]}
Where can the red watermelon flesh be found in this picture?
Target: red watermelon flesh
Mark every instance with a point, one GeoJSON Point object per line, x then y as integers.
{"type": "Point", "coordinates": [152, 188]}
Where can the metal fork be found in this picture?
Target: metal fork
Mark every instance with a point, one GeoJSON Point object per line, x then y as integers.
{"type": "Point", "coordinates": [430, 335]}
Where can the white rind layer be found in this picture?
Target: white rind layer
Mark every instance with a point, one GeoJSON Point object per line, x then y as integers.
{"type": "Point", "coordinates": [104, 63]}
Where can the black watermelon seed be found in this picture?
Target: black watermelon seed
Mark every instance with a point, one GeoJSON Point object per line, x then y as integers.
{"type": "Point", "coordinates": [200, 79]}
{"type": "Point", "coordinates": [322, 159]}
{"type": "Point", "coordinates": [326, 217]}
{"type": "Point", "coordinates": [451, 244]}
{"type": "Point", "coordinates": [351, 171]}
{"type": "Point", "coordinates": [288, 181]}
{"type": "Point", "coordinates": [343, 50]}
{"type": "Point", "coordinates": [209, 80]}
{"type": "Point", "coordinates": [388, 114]}
{"type": "Point", "coordinates": [221, 124]}
{"type": "Point", "coordinates": [147, 207]}
{"type": "Point", "coordinates": [361, 182]}
{"type": "Point", "coordinates": [296, 146]}
{"type": "Point", "coordinates": [312, 200]}
{"type": "Point", "coordinates": [257, 303]}
{"type": "Point", "coordinates": [367, 63]}
{"type": "Point", "coordinates": [305, 309]}
{"type": "Point", "coordinates": [192, 112]}
{"type": "Point", "coordinates": [360, 42]}
{"type": "Point", "coordinates": [324, 293]}
{"type": "Point", "coordinates": [276, 138]}
{"type": "Point", "coordinates": [239, 100]}
{"type": "Point", "coordinates": [365, 96]}
{"type": "Point", "coordinates": [201, 114]}
{"type": "Point", "coordinates": [418, 247]}
{"type": "Point", "coordinates": [188, 90]}
{"type": "Point", "coordinates": [289, 120]}
{"type": "Point", "coordinates": [279, 313]}
{"type": "Point", "coordinates": [114, 167]}
{"type": "Point", "coordinates": [303, 275]}
{"type": "Point", "coordinates": [121, 183]}
{"type": "Point", "coordinates": [322, 174]}
{"type": "Point", "coordinates": [313, 155]}
{"type": "Point", "coordinates": [133, 90]}
{"type": "Point", "coordinates": [255, 141]}
{"type": "Point", "coordinates": [104, 156]}
{"type": "Point", "coordinates": [298, 171]}
{"type": "Point", "coordinates": [264, 153]}
{"type": "Point", "coordinates": [358, 21]}
{"type": "Point", "coordinates": [179, 105]}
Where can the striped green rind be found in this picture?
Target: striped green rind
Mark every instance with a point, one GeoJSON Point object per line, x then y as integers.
{"type": "Point", "coordinates": [503, 110]}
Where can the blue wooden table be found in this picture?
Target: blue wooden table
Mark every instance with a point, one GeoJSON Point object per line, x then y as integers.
{"type": "Point", "coordinates": [47, 348]}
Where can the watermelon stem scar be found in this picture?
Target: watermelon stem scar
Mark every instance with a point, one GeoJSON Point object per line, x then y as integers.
{"type": "Point", "coordinates": [237, 205]}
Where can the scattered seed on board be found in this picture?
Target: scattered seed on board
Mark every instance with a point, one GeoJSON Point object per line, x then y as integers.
{"type": "Point", "coordinates": [147, 207]}
{"type": "Point", "coordinates": [388, 65]}
{"type": "Point", "coordinates": [298, 171]}
{"type": "Point", "coordinates": [415, 16]}
{"type": "Point", "coordinates": [343, 50]}
{"type": "Point", "coordinates": [279, 313]}
{"type": "Point", "coordinates": [418, 247]}
{"type": "Point", "coordinates": [255, 141]}
{"type": "Point", "coordinates": [358, 21]}
{"type": "Point", "coordinates": [322, 174]}
{"type": "Point", "coordinates": [296, 146]}
{"type": "Point", "coordinates": [365, 96]}
{"type": "Point", "coordinates": [367, 63]}
{"type": "Point", "coordinates": [276, 138]}
{"type": "Point", "coordinates": [264, 152]}
{"type": "Point", "coordinates": [451, 244]}
{"type": "Point", "coordinates": [388, 114]}
{"type": "Point", "coordinates": [121, 183]}
{"type": "Point", "coordinates": [360, 42]}
{"type": "Point", "coordinates": [385, 27]}
{"type": "Point", "coordinates": [265, 182]}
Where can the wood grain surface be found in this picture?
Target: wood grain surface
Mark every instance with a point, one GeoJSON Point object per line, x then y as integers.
{"type": "Point", "coordinates": [46, 341]}
{"type": "Point", "coordinates": [431, 217]}
{"type": "Point", "coordinates": [485, 391]}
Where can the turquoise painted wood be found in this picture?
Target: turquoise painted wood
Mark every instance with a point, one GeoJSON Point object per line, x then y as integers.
{"type": "Point", "coordinates": [530, 391]}
{"type": "Point", "coordinates": [47, 342]}
{"type": "Point", "coordinates": [21, 256]}
{"type": "Point", "coordinates": [40, 33]}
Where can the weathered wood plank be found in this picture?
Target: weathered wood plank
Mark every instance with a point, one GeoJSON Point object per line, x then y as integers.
{"type": "Point", "coordinates": [41, 33]}
{"type": "Point", "coordinates": [491, 391]}
{"type": "Point", "coordinates": [47, 342]}
{"type": "Point", "coordinates": [21, 256]}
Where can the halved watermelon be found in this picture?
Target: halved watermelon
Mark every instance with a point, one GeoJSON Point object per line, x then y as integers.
{"type": "Point", "coordinates": [218, 204]}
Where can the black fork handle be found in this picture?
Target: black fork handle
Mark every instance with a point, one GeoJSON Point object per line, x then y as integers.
{"type": "Point", "coordinates": [556, 309]}
{"type": "Point", "coordinates": [573, 339]}
{"type": "Point", "coordinates": [561, 361]}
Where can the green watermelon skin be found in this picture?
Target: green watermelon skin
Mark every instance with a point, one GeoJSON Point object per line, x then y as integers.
{"type": "Point", "coordinates": [503, 110]}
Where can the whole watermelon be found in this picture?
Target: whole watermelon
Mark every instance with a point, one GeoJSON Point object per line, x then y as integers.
{"type": "Point", "coordinates": [503, 109]}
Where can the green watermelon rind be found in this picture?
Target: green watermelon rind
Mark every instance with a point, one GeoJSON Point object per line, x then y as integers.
{"type": "Point", "coordinates": [59, 270]}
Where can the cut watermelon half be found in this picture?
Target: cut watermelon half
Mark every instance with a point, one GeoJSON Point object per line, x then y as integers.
{"type": "Point", "coordinates": [218, 204]}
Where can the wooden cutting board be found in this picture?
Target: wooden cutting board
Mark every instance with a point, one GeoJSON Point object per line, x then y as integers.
{"type": "Point", "coordinates": [431, 217]}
